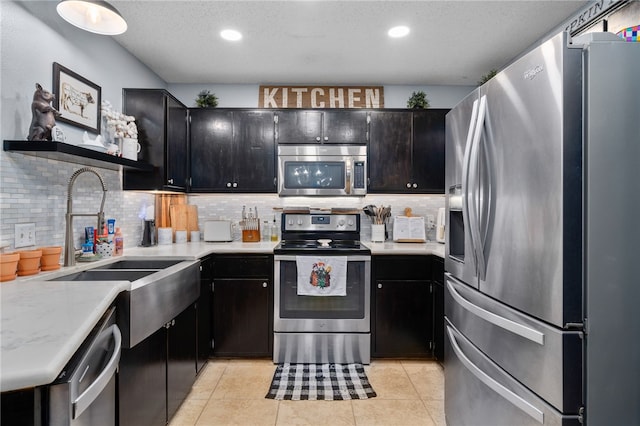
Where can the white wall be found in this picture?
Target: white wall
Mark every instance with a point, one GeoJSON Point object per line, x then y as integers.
{"type": "Point", "coordinates": [32, 189]}
{"type": "Point", "coordinates": [246, 95]}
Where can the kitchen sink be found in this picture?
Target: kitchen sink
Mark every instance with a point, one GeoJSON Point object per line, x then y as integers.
{"type": "Point", "coordinates": [141, 264]}
{"type": "Point", "coordinates": [106, 275]}
{"type": "Point", "coordinates": [160, 289]}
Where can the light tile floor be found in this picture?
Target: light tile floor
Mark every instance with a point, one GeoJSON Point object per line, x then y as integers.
{"type": "Point", "coordinates": [232, 392]}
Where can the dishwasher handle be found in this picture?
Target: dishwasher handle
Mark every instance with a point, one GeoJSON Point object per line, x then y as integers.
{"type": "Point", "coordinates": [84, 400]}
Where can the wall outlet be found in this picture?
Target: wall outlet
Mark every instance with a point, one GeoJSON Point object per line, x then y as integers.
{"type": "Point", "coordinates": [25, 234]}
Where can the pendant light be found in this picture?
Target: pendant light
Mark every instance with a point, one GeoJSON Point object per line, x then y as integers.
{"type": "Point", "coordinates": [94, 16]}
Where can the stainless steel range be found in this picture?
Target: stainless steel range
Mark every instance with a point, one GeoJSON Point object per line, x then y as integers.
{"type": "Point", "coordinates": [322, 290]}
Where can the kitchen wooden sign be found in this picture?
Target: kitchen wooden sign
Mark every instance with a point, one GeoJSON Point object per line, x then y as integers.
{"type": "Point", "coordinates": [321, 97]}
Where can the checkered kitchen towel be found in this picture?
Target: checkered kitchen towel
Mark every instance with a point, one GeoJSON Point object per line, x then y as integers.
{"type": "Point", "coordinates": [320, 382]}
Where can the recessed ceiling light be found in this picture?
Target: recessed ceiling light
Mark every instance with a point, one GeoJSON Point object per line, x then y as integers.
{"type": "Point", "coordinates": [231, 35]}
{"type": "Point", "coordinates": [399, 31]}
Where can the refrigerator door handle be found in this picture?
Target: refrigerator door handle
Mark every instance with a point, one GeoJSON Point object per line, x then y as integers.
{"type": "Point", "coordinates": [474, 216]}
{"type": "Point", "coordinates": [505, 393]}
{"type": "Point", "coordinates": [497, 320]}
{"type": "Point", "coordinates": [466, 190]}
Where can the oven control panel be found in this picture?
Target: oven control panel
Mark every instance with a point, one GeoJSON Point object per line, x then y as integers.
{"type": "Point", "coordinates": [320, 222]}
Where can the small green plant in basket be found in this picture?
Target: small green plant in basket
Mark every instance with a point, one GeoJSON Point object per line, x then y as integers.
{"type": "Point", "coordinates": [418, 100]}
{"type": "Point", "coordinates": [206, 99]}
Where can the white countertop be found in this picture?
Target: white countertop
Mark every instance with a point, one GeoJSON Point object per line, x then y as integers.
{"type": "Point", "coordinates": [43, 323]}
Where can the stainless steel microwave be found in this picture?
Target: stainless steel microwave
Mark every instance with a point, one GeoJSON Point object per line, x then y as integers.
{"type": "Point", "coordinates": [322, 170]}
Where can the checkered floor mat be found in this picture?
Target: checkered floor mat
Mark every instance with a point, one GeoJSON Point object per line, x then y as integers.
{"type": "Point", "coordinates": [320, 382]}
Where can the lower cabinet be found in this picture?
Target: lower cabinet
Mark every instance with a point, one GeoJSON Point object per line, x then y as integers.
{"type": "Point", "coordinates": [203, 308]}
{"type": "Point", "coordinates": [157, 374]}
{"type": "Point", "coordinates": [242, 308]}
{"type": "Point", "coordinates": [437, 278]}
{"type": "Point", "coordinates": [402, 305]}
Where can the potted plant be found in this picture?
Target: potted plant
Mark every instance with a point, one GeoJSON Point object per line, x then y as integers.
{"type": "Point", "coordinates": [206, 99]}
{"type": "Point", "coordinates": [488, 76]}
{"type": "Point", "coordinates": [418, 100]}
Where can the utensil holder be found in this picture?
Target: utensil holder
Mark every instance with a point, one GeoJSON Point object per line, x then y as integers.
{"type": "Point", "coordinates": [377, 233]}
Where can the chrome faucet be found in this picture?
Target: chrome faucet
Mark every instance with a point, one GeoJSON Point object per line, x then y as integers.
{"type": "Point", "coordinates": [69, 249]}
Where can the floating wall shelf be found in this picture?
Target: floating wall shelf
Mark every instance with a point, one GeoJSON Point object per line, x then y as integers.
{"type": "Point", "coordinates": [74, 154]}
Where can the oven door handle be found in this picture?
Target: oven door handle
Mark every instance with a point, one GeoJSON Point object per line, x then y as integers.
{"type": "Point", "coordinates": [350, 258]}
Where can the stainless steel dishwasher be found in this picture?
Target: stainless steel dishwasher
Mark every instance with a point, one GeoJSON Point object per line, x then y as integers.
{"type": "Point", "coordinates": [85, 391]}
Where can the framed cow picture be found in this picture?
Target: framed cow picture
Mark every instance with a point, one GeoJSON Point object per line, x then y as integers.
{"type": "Point", "coordinates": [76, 98]}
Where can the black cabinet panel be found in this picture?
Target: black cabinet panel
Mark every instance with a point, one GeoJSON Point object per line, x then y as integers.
{"type": "Point", "coordinates": [403, 322]}
{"type": "Point", "coordinates": [340, 126]}
{"type": "Point", "coordinates": [232, 151]}
{"type": "Point", "coordinates": [428, 150]}
{"type": "Point", "coordinates": [406, 151]}
{"type": "Point", "coordinates": [181, 358]}
{"type": "Point", "coordinates": [204, 314]}
{"type": "Point", "coordinates": [402, 317]}
{"type": "Point", "coordinates": [212, 150]}
{"type": "Point", "coordinates": [162, 133]}
{"type": "Point", "coordinates": [242, 308]}
{"type": "Point", "coordinates": [142, 382]}
{"type": "Point", "coordinates": [389, 151]}
{"type": "Point", "coordinates": [299, 127]}
{"type": "Point", "coordinates": [437, 270]}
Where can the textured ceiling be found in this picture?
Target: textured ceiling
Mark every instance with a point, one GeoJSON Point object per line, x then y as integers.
{"type": "Point", "coordinates": [335, 42]}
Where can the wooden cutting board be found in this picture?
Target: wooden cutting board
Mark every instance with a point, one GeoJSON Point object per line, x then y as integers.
{"type": "Point", "coordinates": [184, 217]}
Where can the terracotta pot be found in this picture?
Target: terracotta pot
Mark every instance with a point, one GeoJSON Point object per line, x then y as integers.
{"type": "Point", "coordinates": [8, 266]}
{"type": "Point", "coordinates": [50, 260]}
{"type": "Point", "coordinates": [29, 263]}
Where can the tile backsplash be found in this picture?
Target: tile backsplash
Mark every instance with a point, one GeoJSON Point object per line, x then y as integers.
{"type": "Point", "coordinates": [34, 190]}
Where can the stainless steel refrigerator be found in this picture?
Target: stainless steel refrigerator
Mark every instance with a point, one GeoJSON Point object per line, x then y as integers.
{"type": "Point", "coordinates": [543, 180]}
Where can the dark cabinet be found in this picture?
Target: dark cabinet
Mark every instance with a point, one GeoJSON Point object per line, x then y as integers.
{"type": "Point", "coordinates": [203, 305]}
{"type": "Point", "coordinates": [402, 321]}
{"type": "Point", "coordinates": [156, 375]}
{"type": "Point", "coordinates": [343, 126]}
{"type": "Point", "coordinates": [162, 133]}
{"type": "Point", "coordinates": [242, 312]}
{"type": "Point", "coordinates": [181, 358]}
{"type": "Point", "coordinates": [437, 278]}
{"type": "Point", "coordinates": [232, 151]}
{"type": "Point", "coordinates": [142, 382]}
{"type": "Point", "coordinates": [406, 151]}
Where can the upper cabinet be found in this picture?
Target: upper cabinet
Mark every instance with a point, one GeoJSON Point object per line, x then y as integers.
{"type": "Point", "coordinates": [406, 151]}
{"type": "Point", "coordinates": [232, 150]}
{"type": "Point", "coordinates": [162, 133]}
{"type": "Point", "coordinates": [339, 126]}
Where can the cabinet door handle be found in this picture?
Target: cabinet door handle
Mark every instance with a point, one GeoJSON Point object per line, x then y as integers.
{"type": "Point", "coordinates": [318, 138]}
{"type": "Point", "coordinates": [264, 285]}
{"type": "Point", "coordinates": [408, 184]}
{"type": "Point", "coordinates": [228, 184]}
{"type": "Point", "coordinates": [170, 181]}
{"type": "Point", "coordinates": [379, 285]}
{"type": "Point", "coordinates": [326, 138]}
{"type": "Point", "coordinates": [235, 184]}
{"type": "Point", "coordinates": [415, 185]}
